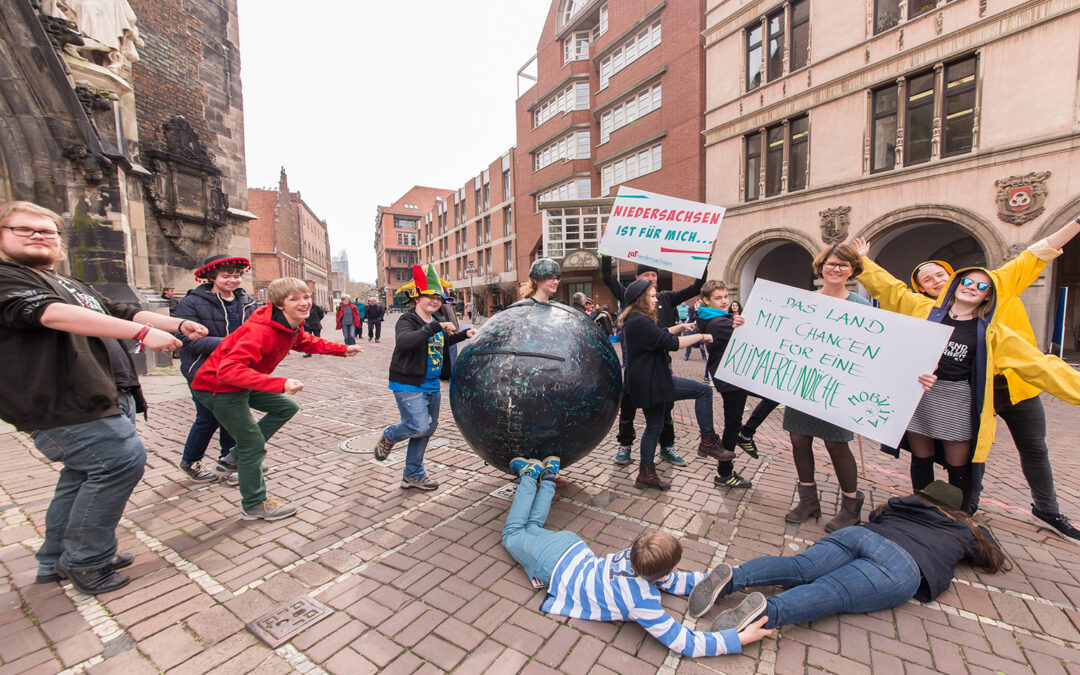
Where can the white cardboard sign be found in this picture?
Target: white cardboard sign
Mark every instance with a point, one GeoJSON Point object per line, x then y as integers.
{"type": "Point", "coordinates": [667, 233]}
{"type": "Point", "coordinates": [853, 365]}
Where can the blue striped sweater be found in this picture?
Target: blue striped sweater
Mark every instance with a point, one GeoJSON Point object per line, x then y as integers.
{"type": "Point", "coordinates": [584, 586]}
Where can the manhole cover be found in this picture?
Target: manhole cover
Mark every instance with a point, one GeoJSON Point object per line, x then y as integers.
{"type": "Point", "coordinates": [280, 625]}
{"type": "Point", "coordinates": [506, 492]}
{"type": "Point", "coordinates": [364, 443]}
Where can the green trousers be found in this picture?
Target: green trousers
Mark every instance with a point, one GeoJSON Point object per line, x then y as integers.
{"type": "Point", "coordinates": [233, 410]}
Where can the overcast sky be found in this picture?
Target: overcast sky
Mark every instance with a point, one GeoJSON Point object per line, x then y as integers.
{"type": "Point", "coordinates": [359, 101]}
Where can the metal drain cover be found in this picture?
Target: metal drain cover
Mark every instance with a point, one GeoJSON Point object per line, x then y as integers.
{"type": "Point", "coordinates": [506, 492]}
{"type": "Point", "coordinates": [280, 625]}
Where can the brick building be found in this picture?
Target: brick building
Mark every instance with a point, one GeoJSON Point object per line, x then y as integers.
{"type": "Point", "coordinates": [397, 237]}
{"type": "Point", "coordinates": [941, 130]}
{"type": "Point", "coordinates": [288, 240]}
{"type": "Point", "coordinates": [470, 236]}
{"type": "Point", "coordinates": [617, 99]}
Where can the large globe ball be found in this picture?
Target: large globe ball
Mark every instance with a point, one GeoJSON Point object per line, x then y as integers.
{"type": "Point", "coordinates": [536, 380]}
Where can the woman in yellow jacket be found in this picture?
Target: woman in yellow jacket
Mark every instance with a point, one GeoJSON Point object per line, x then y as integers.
{"type": "Point", "coordinates": [961, 403]}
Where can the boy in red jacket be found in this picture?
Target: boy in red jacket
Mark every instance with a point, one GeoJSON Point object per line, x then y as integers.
{"type": "Point", "coordinates": [236, 378]}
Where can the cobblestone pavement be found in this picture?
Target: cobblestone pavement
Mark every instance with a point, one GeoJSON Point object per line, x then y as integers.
{"type": "Point", "coordinates": [421, 583]}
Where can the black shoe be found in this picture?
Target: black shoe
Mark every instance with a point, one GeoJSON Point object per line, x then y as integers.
{"type": "Point", "coordinates": [747, 444]}
{"type": "Point", "coordinates": [732, 480]}
{"type": "Point", "coordinates": [1056, 523]}
{"type": "Point", "coordinates": [119, 561]}
{"type": "Point", "coordinates": [101, 580]}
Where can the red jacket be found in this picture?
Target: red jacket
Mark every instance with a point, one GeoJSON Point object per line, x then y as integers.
{"type": "Point", "coordinates": [355, 314]}
{"type": "Point", "coordinates": [245, 359]}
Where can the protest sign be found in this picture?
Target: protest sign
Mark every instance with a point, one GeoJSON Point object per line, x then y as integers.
{"type": "Point", "coordinates": [849, 364]}
{"type": "Point", "coordinates": [667, 233]}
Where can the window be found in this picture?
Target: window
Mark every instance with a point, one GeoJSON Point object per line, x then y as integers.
{"type": "Point", "coordinates": [629, 109]}
{"type": "Point", "coordinates": [602, 23]}
{"type": "Point", "coordinates": [629, 51]}
{"type": "Point", "coordinates": [786, 155]}
{"type": "Point", "coordinates": [403, 275]}
{"type": "Point", "coordinates": [753, 57]}
{"type": "Point", "coordinates": [799, 165]}
{"type": "Point", "coordinates": [508, 227]}
{"type": "Point", "coordinates": [920, 7]}
{"type": "Point", "coordinates": [753, 165]}
{"type": "Point", "coordinates": [404, 223]}
{"type": "Point", "coordinates": [574, 97]}
{"type": "Point", "coordinates": [487, 195]}
{"type": "Point", "coordinates": [774, 160]}
{"type": "Point", "coordinates": [580, 188]}
{"type": "Point", "coordinates": [886, 14]}
{"type": "Point", "coordinates": [487, 263]}
{"type": "Point", "coordinates": [629, 167]}
{"type": "Point", "coordinates": [574, 145]}
{"type": "Point", "coordinates": [958, 129]}
{"type": "Point", "coordinates": [775, 62]}
{"type": "Point", "coordinates": [506, 184]}
{"type": "Point", "coordinates": [479, 232]}
{"type": "Point", "coordinates": [406, 258]}
{"type": "Point", "coordinates": [800, 34]}
{"type": "Point", "coordinates": [576, 47]}
{"type": "Point", "coordinates": [406, 239]}
{"type": "Point", "coordinates": [508, 256]}
{"type": "Point", "coordinates": [788, 31]}
{"type": "Point", "coordinates": [478, 202]}
{"type": "Point", "coordinates": [571, 228]}
{"type": "Point", "coordinates": [487, 229]}
{"type": "Point", "coordinates": [919, 119]}
{"type": "Point", "coordinates": [883, 130]}
{"type": "Point", "coordinates": [411, 206]}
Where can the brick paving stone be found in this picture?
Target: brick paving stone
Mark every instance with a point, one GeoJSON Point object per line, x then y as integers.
{"type": "Point", "coordinates": [518, 638]}
{"type": "Point", "coordinates": [170, 647]}
{"type": "Point", "coordinates": [790, 657]}
{"type": "Point", "coordinates": [458, 633]}
{"type": "Point", "coordinates": [624, 663]}
{"type": "Point", "coordinates": [214, 624]}
{"type": "Point", "coordinates": [439, 652]}
{"type": "Point", "coordinates": [376, 647]}
{"type": "Point", "coordinates": [557, 647]}
{"type": "Point", "coordinates": [335, 642]}
{"type": "Point", "coordinates": [834, 663]}
{"type": "Point", "coordinates": [214, 657]}
{"type": "Point", "coordinates": [20, 644]}
{"type": "Point", "coordinates": [479, 659]}
{"type": "Point", "coordinates": [125, 663]}
{"type": "Point", "coordinates": [78, 648]}
{"type": "Point", "coordinates": [41, 661]}
{"type": "Point", "coordinates": [347, 662]}
{"type": "Point", "coordinates": [64, 626]}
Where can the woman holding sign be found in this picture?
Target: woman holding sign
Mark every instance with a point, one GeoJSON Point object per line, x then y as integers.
{"type": "Point", "coordinates": [836, 266]}
{"type": "Point", "coordinates": [650, 383]}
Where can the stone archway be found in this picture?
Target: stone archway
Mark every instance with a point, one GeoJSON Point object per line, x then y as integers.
{"type": "Point", "coordinates": [1064, 272]}
{"type": "Point", "coordinates": [779, 254]}
{"type": "Point", "coordinates": [887, 228]}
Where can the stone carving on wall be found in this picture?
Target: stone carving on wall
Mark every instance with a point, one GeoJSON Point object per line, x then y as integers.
{"type": "Point", "coordinates": [834, 224]}
{"type": "Point", "coordinates": [1020, 199]}
{"type": "Point", "coordinates": [107, 28]}
{"type": "Point", "coordinates": [185, 191]}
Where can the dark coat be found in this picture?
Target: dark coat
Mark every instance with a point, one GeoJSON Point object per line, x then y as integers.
{"type": "Point", "coordinates": [720, 329]}
{"type": "Point", "coordinates": [202, 305]}
{"type": "Point", "coordinates": [374, 313]}
{"type": "Point", "coordinates": [648, 376]}
{"type": "Point", "coordinates": [313, 322]}
{"type": "Point", "coordinates": [409, 363]}
{"type": "Point", "coordinates": [667, 314]}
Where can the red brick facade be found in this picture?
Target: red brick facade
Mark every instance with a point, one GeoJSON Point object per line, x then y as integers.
{"type": "Point", "coordinates": [397, 237]}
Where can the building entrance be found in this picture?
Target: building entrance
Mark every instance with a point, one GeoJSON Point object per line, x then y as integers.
{"type": "Point", "coordinates": [782, 261]}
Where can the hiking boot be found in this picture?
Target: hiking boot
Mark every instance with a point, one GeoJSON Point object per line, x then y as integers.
{"type": "Point", "coordinates": [422, 483]}
{"type": "Point", "coordinates": [551, 467]}
{"type": "Point", "coordinates": [92, 582]}
{"type": "Point", "coordinates": [118, 561]}
{"type": "Point", "coordinates": [225, 466]}
{"type": "Point", "coordinates": [732, 480]}
{"type": "Point", "coordinates": [808, 506]}
{"type": "Point", "coordinates": [622, 455]}
{"type": "Point", "coordinates": [268, 510]}
{"type": "Point", "coordinates": [647, 478]}
{"type": "Point", "coordinates": [526, 467]}
{"type": "Point", "coordinates": [747, 612]}
{"type": "Point", "coordinates": [708, 590]}
{"type": "Point", "coordinates": [670, 455]}
{"type": "Point", "coordinates": [850, 512]}
{"type": "Point", "coordinates": [383, 448]}
{"type": "Point", "coordinates": [1056, 523]}
{"type": "Point", "coordinates": [197, 473]}
{"type": "Point", "coordinates": [747, 445]}
{"type": "Point", "coordinates": [710, 446]}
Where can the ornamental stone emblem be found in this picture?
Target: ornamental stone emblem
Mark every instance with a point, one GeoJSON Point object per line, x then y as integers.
{"type": "Point", "coordinates": [834, 224]}
{"type": "Point", "coordinates": [1020, 198]}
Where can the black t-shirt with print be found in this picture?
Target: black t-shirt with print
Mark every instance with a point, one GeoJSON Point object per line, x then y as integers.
{"type": "Point", "coordinates": [958, 358]}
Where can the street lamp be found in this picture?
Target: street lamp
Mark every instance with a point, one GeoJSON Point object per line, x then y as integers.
{"type": "Point", "coordinates": [470, 270]}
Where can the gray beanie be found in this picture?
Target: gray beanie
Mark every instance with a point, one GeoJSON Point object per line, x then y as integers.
{"type": "Point", "coordinates": [544, 268]}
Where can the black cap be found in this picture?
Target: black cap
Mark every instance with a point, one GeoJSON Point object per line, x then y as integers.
{"type": "Point", "coordinates": [642, 268]}
{"type": "Point", "coordinates": [635, 289]}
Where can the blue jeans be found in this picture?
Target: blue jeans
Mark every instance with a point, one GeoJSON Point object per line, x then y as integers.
{"type": "Point", "coordinates": [852, 571]}
{"type": "Point", "coordinates": [103, 462]}
{"type": "Point", "coordinates": [202, 430]}
{"type": "Point", "coordinates": [654, 415]}
{"type": "Point", "coordinates": [524, 536]}
{"type": "Point", "coordinates": [348, 332]}
{"type": "Point", "coordinates": [419, 419]}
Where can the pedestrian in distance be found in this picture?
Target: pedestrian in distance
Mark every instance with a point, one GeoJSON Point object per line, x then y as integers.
{"type": "Point", "coordinates": [220, 304]}
{"type": "Point", "coordinates": [414, 374]}
{"type": "Point", "coordinates": [348, 320]}
{"type": "Point", "coordinates": [313, 322]}
{"type": "Point", "coordinates": [56, 329]}
{"type": "Point", "coordinates": [651, 384]}
{"type": "Point", "coordinates": [909, 549]}
{"type": "Point", "coordinates": [621, 586]}
{"type": "Point", "coordinates": [236, 378]}
{"type": "Point", "coordinates": [168, 294]}
{"type": "Point", "coordinates": [374, 313]}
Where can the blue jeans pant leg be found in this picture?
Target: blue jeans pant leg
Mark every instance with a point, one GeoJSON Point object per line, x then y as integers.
{"type": "Point", "coordinates": [703, 398]}
{"type": "Point", "coordinates": [654, 424]}
{"type": "Point", "coordinates": [419, 419]}
{"type": "Point", "coordinates": [202, 430]}
{"type": "Point", "coordinates": [103, 462]}
{"type": "Point", "coordinates": [524, 536]}
{"type": "Point", "coordinates": [852, 570]}
{"type": "Point", "coordinates": [348, 333]}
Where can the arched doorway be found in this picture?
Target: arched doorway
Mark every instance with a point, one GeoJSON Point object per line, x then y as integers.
{"type": "Point", "coordinates": [779, 260]}
{"type": "Point", "coordinates": [907, 244]}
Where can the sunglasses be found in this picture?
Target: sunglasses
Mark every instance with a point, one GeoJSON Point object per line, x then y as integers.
{"type": "Point", "coordinates": [981, 285]}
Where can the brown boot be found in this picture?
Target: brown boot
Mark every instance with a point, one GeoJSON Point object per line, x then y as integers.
{"type": "Point", "coordinates": [808, 506]}
{"type": "Point", "coordinates": [710, 445]}
{"type": "Point", "coordinates": [850, 512]}
{"type": "Point", "coordinates": [647, 478]}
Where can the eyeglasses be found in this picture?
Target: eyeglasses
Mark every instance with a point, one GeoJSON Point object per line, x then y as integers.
{"type": "Point", "coordinates": [837, 266]}
{"type": "Point", "coordinates": [29, 232]}
{"type": "Point", "coordinates": [981, 285]}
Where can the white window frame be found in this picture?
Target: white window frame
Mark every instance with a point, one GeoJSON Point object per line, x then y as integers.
{"type": "Point", "coordinates": [576, 46]}
{"type": "Point", "coordinates": [632, 49]}
{"type": "Point", "coordinates": [575, 96]}
{"type": "Point", "coordinates": [627, 168]}
{"type": "Point", "coordinates": [574, 145]}
{"type": "Point", "coordinates": [633, 107]}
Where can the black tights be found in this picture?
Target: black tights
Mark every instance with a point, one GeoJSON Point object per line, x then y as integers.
{"type": "Point", "coordinates": [847, 472]}
{"type": "Point", "coordinates": [957, 462]}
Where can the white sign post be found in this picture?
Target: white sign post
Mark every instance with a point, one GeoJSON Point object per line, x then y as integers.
{"type": "Point", "coordinates": [849, 364]}
{"type": "Point", "coordinates": [670, 234]}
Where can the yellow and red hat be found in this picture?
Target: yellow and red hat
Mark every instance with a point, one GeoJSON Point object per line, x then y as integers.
{"type": "Point", "coordinates": [426, 281]}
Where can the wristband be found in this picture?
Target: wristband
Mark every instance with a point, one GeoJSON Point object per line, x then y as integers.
{"type": "Point", "coordinates": [180, 326]}
{"type": "Point", "coordinates": [142, 333]}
